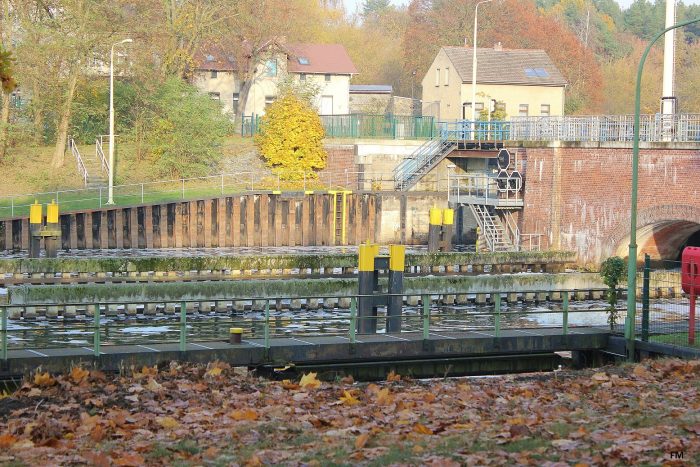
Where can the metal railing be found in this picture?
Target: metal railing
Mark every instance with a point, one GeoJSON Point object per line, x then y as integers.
{"type": "Point", "coordinates": [485, 189]}
{"type": "Point", "coordinates": [100, 155]}
{"type": "Point", "coordinates": [424, 158]}
{"type": "Point", "coordinates": [263, 318]}
{"type": "Point", "coordinates": [604, 128]}
{"type": "Point", "coordinates": [79, 160]}
{"type": "Point", "coordinates": [164, 191]}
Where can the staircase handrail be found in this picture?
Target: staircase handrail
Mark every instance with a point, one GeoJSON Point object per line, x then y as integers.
{"type": "Point", "coordinates": [76, 153]}
{"type": "Point", "coordinates": [99, 153]}
{"type": "Point", "coordinates": [487, 232]}
{"type": "Point", "coordinates": [514, 231]}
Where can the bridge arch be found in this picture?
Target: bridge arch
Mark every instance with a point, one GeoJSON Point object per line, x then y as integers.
{"type": "Point", "coordinates": [662, 232]}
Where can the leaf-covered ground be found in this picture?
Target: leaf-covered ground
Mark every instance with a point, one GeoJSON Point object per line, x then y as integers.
{"type": "Point", "coordinates": [217, 415]}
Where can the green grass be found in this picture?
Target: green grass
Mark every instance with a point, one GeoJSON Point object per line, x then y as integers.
{"type": "Point", "coordinates": [677, 338]}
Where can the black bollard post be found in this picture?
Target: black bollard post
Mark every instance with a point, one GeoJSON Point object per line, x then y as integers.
{"type": "Point", "coordinates": [366, 311]}
{"type": "Point", "coordinates": [448, 217]}
{"type": "Point", "coordinates": [53, 231]}
{"type": "Point", "coordinates": [394, 310]}
{"type": "Point", "coordinates": [36, 214]}
{"type": "Point", "coordinates": [434, 230]}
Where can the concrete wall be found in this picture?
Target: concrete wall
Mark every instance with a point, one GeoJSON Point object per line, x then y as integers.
{"type": "Point", "coordinates": [405, 216]}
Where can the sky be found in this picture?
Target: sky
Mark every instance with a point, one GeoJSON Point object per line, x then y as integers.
{"type": "Point", "coordinates": [351, 5]}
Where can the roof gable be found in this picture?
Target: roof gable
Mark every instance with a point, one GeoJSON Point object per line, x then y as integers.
{"type": "Point", "coordinates": [528, 67]}
{"type": "Point", "coordinates": [319, 58]}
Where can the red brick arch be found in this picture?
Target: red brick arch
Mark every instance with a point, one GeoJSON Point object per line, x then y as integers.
{"type": "Point", "coordinates": [661, 231]}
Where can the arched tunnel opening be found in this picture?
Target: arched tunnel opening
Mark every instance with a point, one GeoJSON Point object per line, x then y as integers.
{"type": "Point", "coordinates": [664, 242]}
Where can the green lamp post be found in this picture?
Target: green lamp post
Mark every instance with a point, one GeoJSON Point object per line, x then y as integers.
{"type": "Point", "coordinates": [632, 258]}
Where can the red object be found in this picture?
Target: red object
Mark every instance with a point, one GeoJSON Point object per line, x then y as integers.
{"type": "Point", "coordinates": [690, 281]}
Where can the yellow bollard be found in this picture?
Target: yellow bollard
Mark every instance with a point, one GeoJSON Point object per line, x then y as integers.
{"type": "Point", "coordinates": [36, 214]}
{"type": "Point", "coordinates": [236, 335]}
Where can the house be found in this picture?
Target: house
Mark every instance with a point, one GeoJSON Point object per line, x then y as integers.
{"type": "Point", "coordinates": [326, 65]}
{"type": "Point", "coordinates": [521, 82]}
{"type": "Point", "coordinates": [373, 99]}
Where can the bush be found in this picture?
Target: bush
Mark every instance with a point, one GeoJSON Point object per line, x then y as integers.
{"type": "Point", "coordinates": [291, 138]}
{"type": "Point", "coordinates": [184, 131]}
{"type": "Point", "coordinates": [612, 270]}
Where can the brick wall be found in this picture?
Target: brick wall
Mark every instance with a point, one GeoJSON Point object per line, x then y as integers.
{"type": "Point", "coordinates": [341, 160]}
{"type": "Point", "coordinates": [580, 199]}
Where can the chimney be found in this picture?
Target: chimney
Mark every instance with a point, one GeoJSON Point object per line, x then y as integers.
{"type": "Point", "coordinates": [498, 47]}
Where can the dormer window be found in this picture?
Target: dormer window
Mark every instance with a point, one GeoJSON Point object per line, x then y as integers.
{"type": "Point", "coordinates": [303, 61]}
{"type": "Point", "coordinates": [210, 58]}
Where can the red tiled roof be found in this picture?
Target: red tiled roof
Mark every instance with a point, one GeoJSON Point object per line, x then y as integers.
{"type": "Point", "coordinates": [215, 57]}
{"type": "Point", "coordinates": [322, 58]}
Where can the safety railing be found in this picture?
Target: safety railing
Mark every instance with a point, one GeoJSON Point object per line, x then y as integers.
{"type": "Point", "coordinates": [100, 155]}
{"type": "Point", "coordinates": [665, 311]}
{"type": "Point", "coordinates": [485, 189]}
{"type": "Point", "coordinates": [531, 242]}
{"type": "Point", "coordinates": [95, 325]}
{"type": "Point", "coordinates": [467, 130]}
{"type": "Point", "coordinates": [605, 128]}
{"type": "Point", "coordinates": [79, 160]}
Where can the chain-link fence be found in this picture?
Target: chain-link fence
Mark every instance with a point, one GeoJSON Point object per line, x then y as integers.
{"type": "Point", "coordinates": [665, 306]}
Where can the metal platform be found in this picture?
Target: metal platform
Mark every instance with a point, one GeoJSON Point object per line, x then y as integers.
{"type": "Point", "coordinates": [316, 350]}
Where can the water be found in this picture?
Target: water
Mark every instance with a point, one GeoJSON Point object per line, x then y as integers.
{"type": "Point", "coordinates": [203, 326]}
{"type": "Point", "coordinates": [207, 252]}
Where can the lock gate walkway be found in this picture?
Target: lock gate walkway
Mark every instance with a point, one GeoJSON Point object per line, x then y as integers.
{"type": "Point", "coordinates": [465, 352]}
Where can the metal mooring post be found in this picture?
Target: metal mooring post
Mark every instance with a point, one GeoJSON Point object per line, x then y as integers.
{"type": "Point", "coordinates": [645, 298]}
{"type": "Point", "coordinates": [366, 323]}
{"type": "Point", "coordinates": [96, 330]}
{"type": "Point", "coordinates": [183, 327]}
{"type": "Point", "coordinates": [394, 311]}
{"type": "Point", "coordinates": [3, 330]}
{"type": "Point", "coordinates": [497, 317]}
{"type": "Point", "coordinates": [565, 306]}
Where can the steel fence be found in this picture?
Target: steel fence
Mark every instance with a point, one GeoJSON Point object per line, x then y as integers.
{"type": "Point", "coordinates": [604, 128]}
{"type": "Point", "coordinates": [664, 306]}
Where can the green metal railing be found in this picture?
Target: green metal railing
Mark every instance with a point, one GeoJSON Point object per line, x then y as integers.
{"type": "Point", "coordinates": [267, 324]}
{"type": "Point", "coordinates": [363, 126]}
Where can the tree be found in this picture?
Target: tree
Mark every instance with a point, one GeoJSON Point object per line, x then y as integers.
{"type": "Point", "coordinates": [185, 130]}
{"type": "Point", "coordinates": [612, 270]}
{"type": "Point", "coordinates": [374, 7]}
{"type": "Point", "coordinates": [291, 138]}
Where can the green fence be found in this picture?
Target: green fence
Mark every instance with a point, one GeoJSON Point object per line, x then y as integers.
{"type": "Point", "coordinates": [665, 307]}
{"type": "Point", "coordinates": [363, 126]}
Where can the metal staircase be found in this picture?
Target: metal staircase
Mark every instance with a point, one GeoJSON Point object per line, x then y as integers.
{"type": "Point", "coordinates": [493, 232]}
{"type": "Point", "coordinates": [423, 159]}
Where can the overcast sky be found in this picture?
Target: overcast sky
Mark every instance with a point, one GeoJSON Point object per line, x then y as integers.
{"type": "Point", "coordinates": [352, 5]}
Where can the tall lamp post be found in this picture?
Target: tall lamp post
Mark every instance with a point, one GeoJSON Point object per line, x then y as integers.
{"type": "Point", "coordinates": [110, 197]}
{"type": "Point", "coordinates": [632, 255]}
{"type": "Point", "coordinates": [476, 19]}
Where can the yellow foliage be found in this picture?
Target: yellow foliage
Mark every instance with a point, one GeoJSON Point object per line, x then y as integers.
{"type": "Point", "coordinates": [309, 381]}
{"type": "Point", "coordinates": [348, 399]}
{"type": "Point", "coordinates": [291, 139]}
{"type": "Point", "coordinates": [78, 375]}
{"type": "Point", "coordinates": [43, 379]}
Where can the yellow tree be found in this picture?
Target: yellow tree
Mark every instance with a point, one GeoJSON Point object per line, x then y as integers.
{"type": "Point", "coordinates": [291, 138]}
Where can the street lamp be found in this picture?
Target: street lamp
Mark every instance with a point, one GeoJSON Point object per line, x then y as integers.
{"type": "Point", "coordinates": [476, 17]}
{"type": "Point", "coordinates": [632, 254]}
{"type": "Point", "coordinates": [110, 198]}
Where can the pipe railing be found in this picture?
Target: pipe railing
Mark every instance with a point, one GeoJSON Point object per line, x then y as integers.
{"type": "Point", "coordinates": [79, 160]}
{"type": "Point", "coordinates": [100, 155]}
{"type": "Point", "coordinates": [97, 323]}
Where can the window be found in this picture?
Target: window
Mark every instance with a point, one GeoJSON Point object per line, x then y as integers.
{"type": "Point", "coordinates": [545, 110]}
{"type": "Point", "coordinates": [303, 61]}
{"type": "Point", "coordinates": [437, 77]}
{"type": "Point", "coordinates": [447, 76]}
{"type": "Point", "coordinates": [236, 98]}
{"type": "Point", "coordinates": [210, 58]}
{"type": "Point", "coordinates": [215, 96]}
{"type": "Point", "coordinates": [523, 110]}
{"type": "Point", "coordinates": [501, 106]}
{"type": "Point", "coordinates": [271, 68]}
{"type": "Point", "coordinates": [269, 100]}
{"type": "Point", "coordinates": [328, 78]}
{"type": "Point", "coordinates": [478, 106]}
{"type": "Point", "coordinates": [536, 73]}
{"type": "Point", "coordinates": [214, 74]}
{"type": "Point", "coordinates": [302, 77]}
